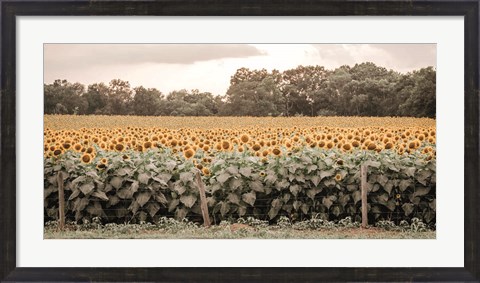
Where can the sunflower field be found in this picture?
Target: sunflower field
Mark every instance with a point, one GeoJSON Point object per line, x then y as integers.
{"type": "Point", "coordinates": [131, 169]}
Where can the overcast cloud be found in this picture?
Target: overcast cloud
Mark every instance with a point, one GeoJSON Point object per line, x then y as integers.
{"type": "Point", "coordinates": [208, 67]}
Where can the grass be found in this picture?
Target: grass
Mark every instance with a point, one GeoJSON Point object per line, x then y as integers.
{"type": "Point", "coordinates": [233, 231]}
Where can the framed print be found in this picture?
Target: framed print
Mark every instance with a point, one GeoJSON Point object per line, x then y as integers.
{"type": "Point", "coordinates": [239, 141]}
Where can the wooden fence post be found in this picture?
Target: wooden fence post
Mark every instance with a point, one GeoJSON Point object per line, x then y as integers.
{"type": "Point", "coordinates": [364, 188]}
{"type": "Point", "coordinates": [61, 202]}
{"type": "Point", "coordinates": [203, 200]}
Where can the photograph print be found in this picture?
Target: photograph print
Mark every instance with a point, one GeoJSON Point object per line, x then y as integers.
{"type": "Point", "coordinates": [239, 141]}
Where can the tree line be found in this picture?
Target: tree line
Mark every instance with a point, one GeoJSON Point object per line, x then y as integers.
{"type": "Point", "coordinates": [362, 90]}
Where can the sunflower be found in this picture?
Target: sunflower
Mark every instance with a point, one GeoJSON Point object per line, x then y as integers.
{"type": "Point", "coordinates": [256, 147]}
{"type": "Point", "coordinates": [355, 143]}
{"type": "Point", "coordinates": [330, 145]}
{"type": "Point", "coordinates": [418, 143]}
{"type": "Point", "coordinates": [244, 138]}
{"type": "Point", "coordinates": [119, 147]}
{"type": "Point", "coordinates": [189, 153]}
{"type": "Point", "coordinates": [338, 177]}
{"type": "Point", "coordinates": [276, 151]}
{"type": "Point", "coordinates": [86, 158]}
{"type": "Point", "coordinates": [66, 145]}
{"type": "Point", "coordinates": [101, 166]}
{"type": "Point", "coordinates": [347, 147]}
{"type": "Point", "coordinates": [225, 145]}
{"type": "Point", "coordinates": [77, 147]}
{"type": "Point", "coordinates": [206, 171]}
{"type": "Point", "coordinates": [412, 145]}
{"type": "Point", "coordinates": [57, 152]}
{"type": "Point", "coordinates": [147, 144]}
{"type": "Point", "coordinates": [397, 196]}
{"type": "Point", "coordinates": [265, 153]}
{"type": "Point", "coordinates": [288, 144]}
{"type": "Point", "coordinates": [388, 145]}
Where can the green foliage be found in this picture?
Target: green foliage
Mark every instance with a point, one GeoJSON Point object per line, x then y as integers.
{"type": "Point", "coordinates": [298, 186]}
{"type": "Point", "coordinates": [416, 225]}
{"type": "Point", "coordinates": [253, 222]}
{"type": "Point", "coordinates": [169, 228]}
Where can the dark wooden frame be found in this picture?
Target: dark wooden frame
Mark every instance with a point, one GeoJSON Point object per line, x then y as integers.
{"type": "Point", "coordinates": [10, 9]}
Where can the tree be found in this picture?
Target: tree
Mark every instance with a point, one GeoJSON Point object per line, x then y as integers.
{"type": "Point", "coordinates": [119, 97]}
{"type": "Point", "coordinates": [421, 102]}
{"type": "Point", "coordinates": [368, 70]}
{"type": "Point", "coordinates": [253, 97]}
{"type": "Point", "coordinates": [63, 97]}
{"type": "Point", "coordinates": [146, 102]}
{"type": "Point", "coordinates": [96, 97]}
{"type": "Point", "coordinates": [363, 90]}
{"type": "Point", "coordinates": [335, 96]}
{"type": "Point", "coordinates": [247, 75]}
{"type": "Point", "coordinates": [300, 87]}
{"type": "Point", "coordinates": [190, 103]}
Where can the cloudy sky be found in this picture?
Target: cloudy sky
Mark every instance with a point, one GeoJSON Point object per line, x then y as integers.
{"type": "Point", "coordinates": [208, 67]}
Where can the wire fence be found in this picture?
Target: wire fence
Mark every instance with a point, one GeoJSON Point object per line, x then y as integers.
{"type": "Point", "coordinates": [294, 207]}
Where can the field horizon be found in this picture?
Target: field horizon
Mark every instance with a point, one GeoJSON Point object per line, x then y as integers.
{"type": "Point", "coordinates": [60, 121]}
